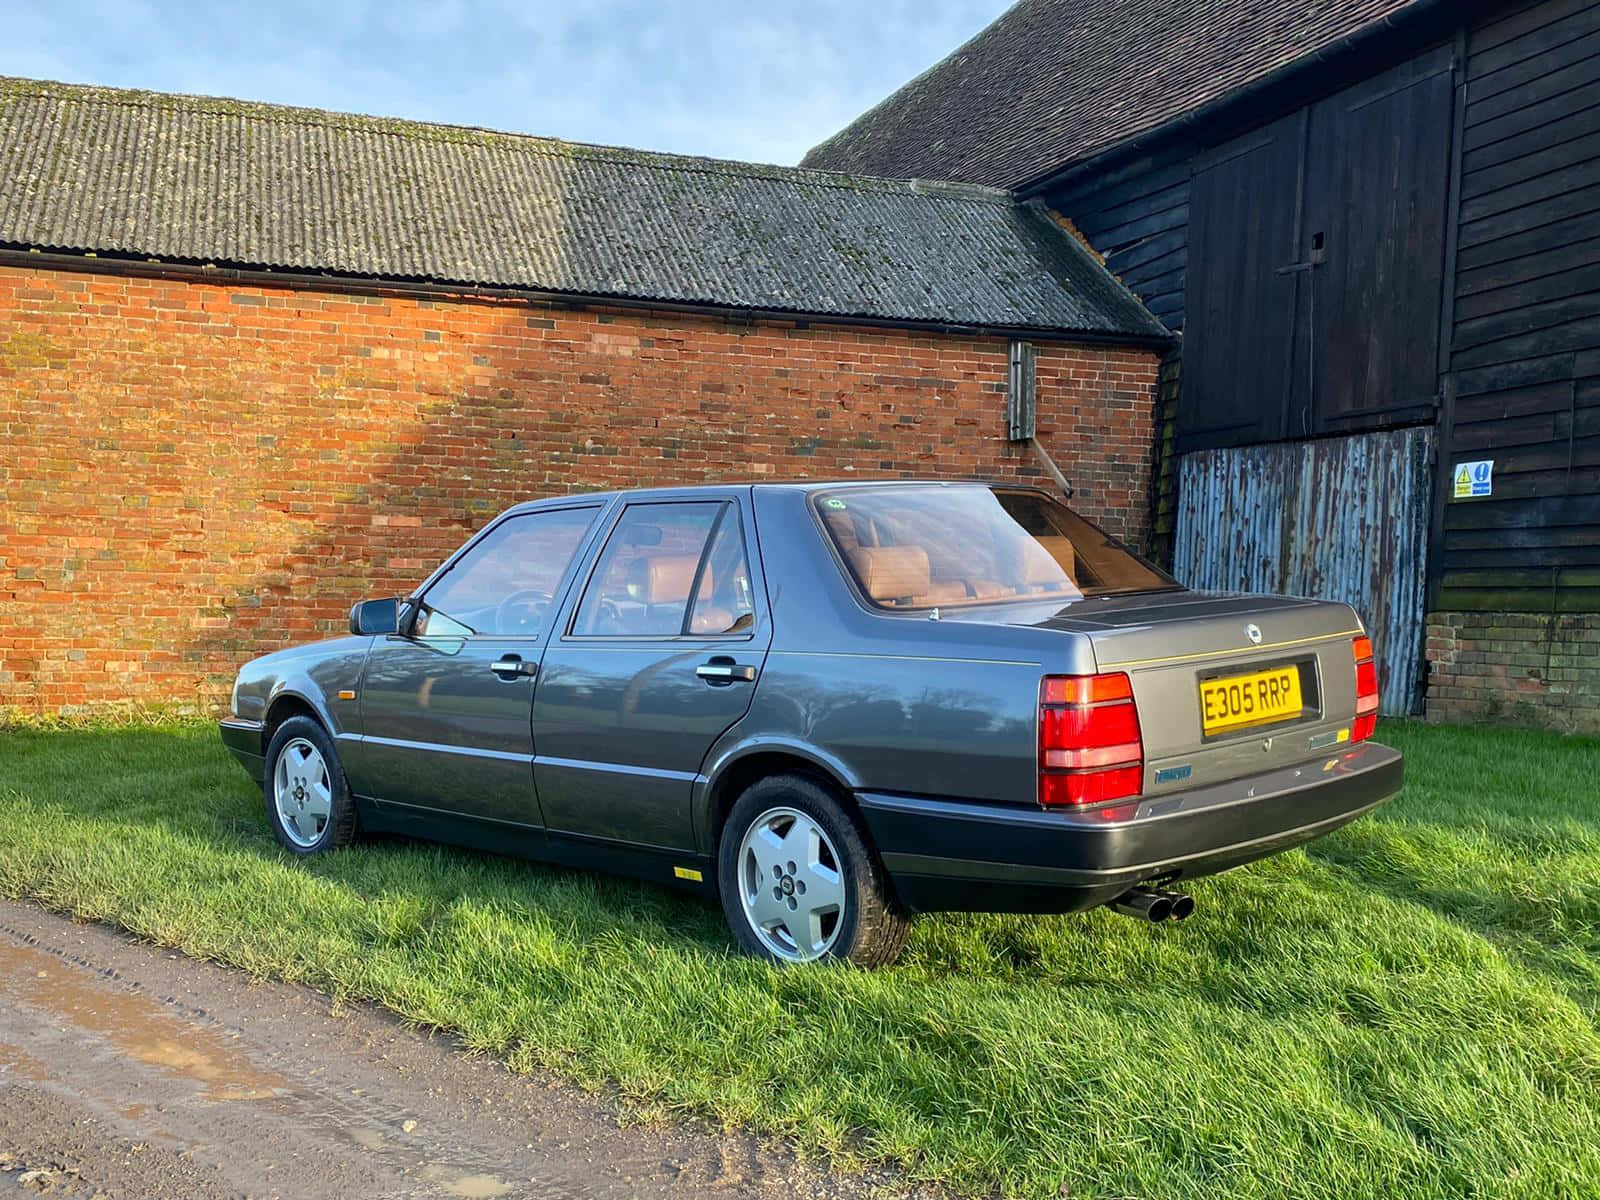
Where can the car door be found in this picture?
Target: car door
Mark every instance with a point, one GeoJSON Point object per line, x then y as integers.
{"type": "Point", "coordinates": [447, 703]}
{"type": "Point", "coordinates": [659, 657]}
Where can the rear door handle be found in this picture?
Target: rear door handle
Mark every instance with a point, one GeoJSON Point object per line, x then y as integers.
{"type": "Point", "coordinates": [725, 670]}
{"type": "Point", "coordinates": [513, 666]}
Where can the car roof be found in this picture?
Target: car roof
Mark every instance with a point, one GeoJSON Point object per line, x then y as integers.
{"type": "Point", "coordinates": [769, 485]}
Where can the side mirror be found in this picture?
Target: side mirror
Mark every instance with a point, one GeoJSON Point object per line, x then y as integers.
{"type": "Point", "coordinates": [374, 618]}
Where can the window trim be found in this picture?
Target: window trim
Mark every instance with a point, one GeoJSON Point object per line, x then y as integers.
{"type": "Point", "coordinates": [725, 504]}
{"type": "Point", "coordinates": [418, 598]}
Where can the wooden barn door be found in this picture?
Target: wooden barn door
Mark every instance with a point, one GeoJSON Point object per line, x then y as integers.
{"type": "Point", "coordinates": [1316, 261]}
{"type": "Point", "coordinates": [1239, 308]}
{"type": "Point", "coordinates": [1367, 313]}
{"type": "Point", "coordinates": [1316, 265]}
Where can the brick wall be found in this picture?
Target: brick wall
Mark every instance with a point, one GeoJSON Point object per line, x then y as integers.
{"type": "Point", "coordinates": [194, 473]}
{"type": "Point", "coordinates": [1522, 668]}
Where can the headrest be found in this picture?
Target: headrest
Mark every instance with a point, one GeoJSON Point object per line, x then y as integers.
{"type": "Point", "coordinates": [668, 578]}
{"type": "Point", "coordinates": [1047, 560]}
{"type": "Point", "coordinates": [1060, 550]}
{"type": "Point", "coordinates": [843, 530]}
{"type": "Point", "coordinates": [892, 572]}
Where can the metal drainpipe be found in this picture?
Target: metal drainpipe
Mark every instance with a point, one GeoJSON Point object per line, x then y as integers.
{"type": "Point", "coordinates": [1049, 464]}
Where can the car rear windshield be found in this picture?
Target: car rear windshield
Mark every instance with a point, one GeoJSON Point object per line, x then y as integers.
{"type": "Point", "coordinates": [936, 546]}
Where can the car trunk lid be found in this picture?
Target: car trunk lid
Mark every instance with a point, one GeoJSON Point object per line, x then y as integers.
{"type": "Point", "coordinates": [1226, 685]}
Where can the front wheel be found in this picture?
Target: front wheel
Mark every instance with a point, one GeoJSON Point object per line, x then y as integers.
{"type": "Point", "coordinates": [799, 882]}
{"type": "Point", "coordinates": [308, 801]}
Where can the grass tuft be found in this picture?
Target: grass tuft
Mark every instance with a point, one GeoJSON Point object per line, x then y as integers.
{"type": "Point", "coordinates": [1405, 1008]}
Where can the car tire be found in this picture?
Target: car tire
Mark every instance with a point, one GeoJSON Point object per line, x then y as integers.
{"type": "Point", "coordinates": [800, 883]}
{"type": "Point", "coordinates": [308, 800]}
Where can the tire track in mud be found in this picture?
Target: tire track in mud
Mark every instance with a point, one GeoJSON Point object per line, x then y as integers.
{"type": "Point", "coordinates": [130, 1070]}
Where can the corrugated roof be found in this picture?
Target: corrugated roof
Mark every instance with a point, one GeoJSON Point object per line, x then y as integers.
{"type": "Point", "coordinates": [1054, 81]}
{"type": "Point", "coordinates": [197, 179]}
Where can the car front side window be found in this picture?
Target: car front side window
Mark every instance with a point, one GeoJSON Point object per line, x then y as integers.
{"type": "Point", "coordinates": [505, 585]}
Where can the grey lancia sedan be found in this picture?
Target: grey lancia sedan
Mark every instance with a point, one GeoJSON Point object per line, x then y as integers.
{"type": "Point", "coordinates": [832, 705]}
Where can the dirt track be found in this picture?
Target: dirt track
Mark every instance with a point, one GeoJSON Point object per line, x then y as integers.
{"type": "Point", "coordinates": [128, 1071]}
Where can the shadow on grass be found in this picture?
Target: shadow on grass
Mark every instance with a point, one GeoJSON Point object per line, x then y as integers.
{"type": "Point", "coordinates": [1494, 835]}
{"type": "Point", "coordinates": [179, 779]}
{"type": "Point", "coordinates": [1498, 832]}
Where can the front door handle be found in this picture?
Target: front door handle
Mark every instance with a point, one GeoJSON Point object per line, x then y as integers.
{"type": "Point", "coordinates": [724, 670]}
{"type": "Point", "coordinates": [513, 666]}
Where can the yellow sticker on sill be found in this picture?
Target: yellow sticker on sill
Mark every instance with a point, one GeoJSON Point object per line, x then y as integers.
{"type": "Point", "coordinates": [688, 873]}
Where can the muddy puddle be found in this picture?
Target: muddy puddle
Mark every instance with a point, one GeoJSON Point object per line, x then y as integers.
{"type": "Point", "coordinates": [136, 1026]}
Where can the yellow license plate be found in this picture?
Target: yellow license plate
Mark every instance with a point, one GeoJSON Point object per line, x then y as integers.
{"type": "Point", "coordinates": [1233, 701]}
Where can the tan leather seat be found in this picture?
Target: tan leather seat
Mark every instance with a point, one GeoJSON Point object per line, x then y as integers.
{"type": "Point", "coordinates": [947, 591]}
{"type": "Point", "coordinates": [891, 574]}
{"type": "Point", "coordinates": [668, 578]}
{"type": "Point", "coordinates": [1041, 568]}
{"type": "Point", "coordinates": [990, 589]}
{"type": "Point", "coordinates": [708, 618]}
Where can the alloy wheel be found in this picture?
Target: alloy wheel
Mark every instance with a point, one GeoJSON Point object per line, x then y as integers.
{"type": "Point", "coordinates": [791, 885]}
{"type": "Point", "coordinates": [302, 792]}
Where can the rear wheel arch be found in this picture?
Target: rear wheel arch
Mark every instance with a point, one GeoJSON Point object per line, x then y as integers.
{"type": "Point", "coordinates": [736, 777]}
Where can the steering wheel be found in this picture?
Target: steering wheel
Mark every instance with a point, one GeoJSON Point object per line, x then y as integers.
{"type": "Point", "coordinates": [608, 617]}
{"type": "Point", "coordinates": [533, 603]}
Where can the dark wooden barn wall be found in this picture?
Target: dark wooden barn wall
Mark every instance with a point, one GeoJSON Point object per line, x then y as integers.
{"type": "Point", "coordinates": [1138, 217]}
{"type": "Point", "coordinates": [1525, 344]}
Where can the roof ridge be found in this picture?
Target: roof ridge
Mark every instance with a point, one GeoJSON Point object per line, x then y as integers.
{"type": "Point", "coordinates": [908, 85]}
{"type": "Point", "coordinates": [13, 85]}
{"type": "Point", "coordinates": [1026, 96]}
{"type": "Point", "coordinates": [160, 176]}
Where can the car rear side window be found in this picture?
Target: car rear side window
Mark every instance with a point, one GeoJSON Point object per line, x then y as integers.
{"type": "Point", "coordinates": [659, 556]}
{"type": "Point", "coordinates": [505, 584]}
{"type": "Point", "coordinates": [724, 602]}
{"type": "Point", "coordinates": [933, 545]}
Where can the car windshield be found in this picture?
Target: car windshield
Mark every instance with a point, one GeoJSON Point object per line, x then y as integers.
{"type": "Point", "coordinates": [939, 545]}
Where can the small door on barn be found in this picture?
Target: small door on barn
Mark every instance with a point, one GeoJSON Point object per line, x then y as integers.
{"type": "Point", "coordinates": [1316, 261]}
{"type": "Point", "coordinates": [1239, 307]}
{"type": "Point", "coordinates": [1336, 518]}
{"type": "Point", "coordinates": [1373, 234]}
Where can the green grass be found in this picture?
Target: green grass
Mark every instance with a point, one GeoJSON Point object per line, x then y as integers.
{"type": "Point", "coordinates": [1407, 1008]}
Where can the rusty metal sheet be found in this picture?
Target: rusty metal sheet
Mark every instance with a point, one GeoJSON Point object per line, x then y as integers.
{"type": "Point", "coordinates": [1360, 534]}
{"type": "Point", "coordinates": [1230, 518]}
{"type": "Point", "coordinates": [1336, 518]}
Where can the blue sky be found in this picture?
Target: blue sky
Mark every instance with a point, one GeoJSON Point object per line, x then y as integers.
{"type": "Point", "coordinates": [751, 80]}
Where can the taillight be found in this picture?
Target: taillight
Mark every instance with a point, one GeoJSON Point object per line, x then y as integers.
{"type": "Point", "coordinates": [1366, 691]}
{"type": "Point", "coordinates": [1089, 744]}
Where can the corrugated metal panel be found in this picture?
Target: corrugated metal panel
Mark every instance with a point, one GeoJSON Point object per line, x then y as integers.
{"type": "Point", "coordinates": [1359, 533]}
{"type": "Point", "coordinates": [1338, 518]}
{"type": "Point", "coordinates": [1230, 518]}
{"type": "Point", "coordinates": [191, 178]}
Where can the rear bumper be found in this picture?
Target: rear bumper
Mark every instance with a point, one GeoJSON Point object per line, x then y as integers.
{"type": "Point", "coordinates": [243, 740]}
{"type": "Point", "coordinates": [947, 855]}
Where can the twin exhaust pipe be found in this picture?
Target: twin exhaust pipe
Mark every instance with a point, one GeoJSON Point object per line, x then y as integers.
{"type": "Point", "coordinates": [1154, 905]}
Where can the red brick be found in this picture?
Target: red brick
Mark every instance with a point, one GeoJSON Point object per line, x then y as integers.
{"type": "Point", "coordinates": [193, 474]}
